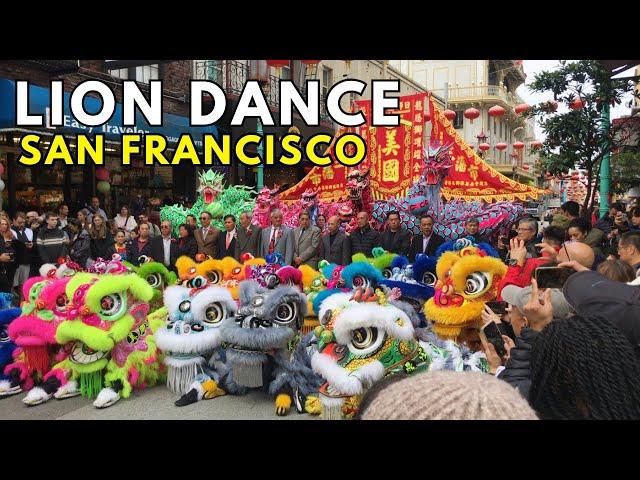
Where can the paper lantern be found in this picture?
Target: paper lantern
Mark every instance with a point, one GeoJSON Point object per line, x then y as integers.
{"type": "Point", "coordinates": [577, 104]}
{"type": "Point", "coordinates": [278, 63]}
{"type": "Point", "coordinates": [450, 115]}
{"type": "Point", "coordinates": [1, 168]}
{"type": "Point", "coordinates": [102, 173]}
{"type": "Point", "coordinates": [310, 62]}
{"type": "Point", "coordinates": [526, 167]}
{"type": "Point", "coordinates": [471, 114]}
{"type": "Point", "coordinates": [523, 107]}
{"type": "Point", "coordinates": [103, 187]}
{"type": "Point", "coordinates": [1, 185]}
{"type": "Point", "coordinates": [496, 111]}
{"type": "Point", "coordinates": [484, 147]}
{"type": "Point", "coordinates": [518, 145]}
{"type": "Point", "coordinates": [501, 146]}
{"type": "Point", "coordinates": [536, 144]}
{"type": "Point", "coordinates": [427, 117]}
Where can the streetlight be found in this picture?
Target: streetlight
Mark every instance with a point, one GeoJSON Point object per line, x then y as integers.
{"type": "Point", "coordinates": [259, 71]}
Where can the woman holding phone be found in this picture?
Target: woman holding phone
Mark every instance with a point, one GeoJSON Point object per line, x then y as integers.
{"type": "Point", "coordinates": [7, 256]}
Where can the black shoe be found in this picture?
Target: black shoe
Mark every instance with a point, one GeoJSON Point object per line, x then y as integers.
{"type": "Point", "coordinates": [187, 399]}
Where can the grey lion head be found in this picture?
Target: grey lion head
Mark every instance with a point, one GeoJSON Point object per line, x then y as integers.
{"type": "Point", "coordinates": [266, 319]}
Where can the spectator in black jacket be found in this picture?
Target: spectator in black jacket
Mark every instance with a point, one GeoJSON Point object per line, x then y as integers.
{"type": "Point", "coordinates": [163, 247]}
{"type": "Point", "coordinates": [140, 246]}
{"type": "Point", "coordinates": [80, 242]}
{"type": "Point", "coordinates": [427, 241]}
{"type": "Point", "coordinates": [187, 244]}
{"type": "Point", "coordinates": [101, 239]}
{"type": "Point", "coordinates": [395, 239]}
{"type": "Point", "coordinates": [52, 242]}
{"type": "Point", "coordinates": [364, 238]}
{"type": "Point", "coordinates": [7, 256]}
{"type": "Point", "coordinates": [24, 249]}
{"type": "Point", "coordinates": [471, 227]}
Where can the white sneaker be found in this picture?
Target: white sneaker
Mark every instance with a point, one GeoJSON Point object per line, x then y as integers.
{"type": "Point", "coordinates": [68, 390]}
{"type": "Point", "coordinates": [106, 398]}
{"type": "Point", "coordinates": [36, 396]}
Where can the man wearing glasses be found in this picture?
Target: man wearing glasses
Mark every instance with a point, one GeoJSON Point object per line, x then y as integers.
{"type": "Point", "coordinates": [207, 236]}
{"type": "Point", "coordinates": [527, 230]}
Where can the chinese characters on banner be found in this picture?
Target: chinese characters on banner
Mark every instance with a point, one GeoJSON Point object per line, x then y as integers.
{"type": "Point", "coordinates": [395, 153]}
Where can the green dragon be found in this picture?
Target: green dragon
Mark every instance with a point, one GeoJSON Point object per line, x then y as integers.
{"type": "Point", "coordinates": [213, 197]}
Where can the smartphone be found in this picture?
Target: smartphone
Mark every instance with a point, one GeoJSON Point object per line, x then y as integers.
{"type": "Point", "coordinates": [506, 329]}
{"type": "Point", "coordinates": [499, 308]}
{"type": "Point", "coordinates": [494, 337]}
{"type": "Point", "coordinates": [552, 277]}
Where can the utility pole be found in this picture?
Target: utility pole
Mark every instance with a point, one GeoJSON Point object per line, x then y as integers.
{"type": "Point", "coordinates": [605, 171]}
{"type": "Point", "coordinates": [260, 155]}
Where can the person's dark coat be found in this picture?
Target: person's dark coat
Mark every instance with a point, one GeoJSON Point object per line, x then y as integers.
{"type": "Point", "coordinates": [363, 240]}
{"type": "Point", "coordinates": [186, 246]}
{"type": "Point", "coordinates": [134, 252]}
{"type": "Point", "coordinates": [80, 248]}
{"type": "Point", "coordinates": [339, 251]}
{"type": "Point", "coordinates": [157, 250]}
{"type": "Point", "coordinates": [416, 245]}
{"type": "Point", "coordinates": [102, 247]}
{"type": "Point", "coordinates": [221, 247]}
{"type": "Point", "coordinates": [517, 372]}
{"type": "Point", "coordinates": [247, 242]}
{"type": "Point", "coordinates": [397, 242]}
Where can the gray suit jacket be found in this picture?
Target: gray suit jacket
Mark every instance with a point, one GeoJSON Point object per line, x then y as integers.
{"type": "Point", "coordinates": [307, 247]}
{"type": "Point", "coordinates": [339, 252]}
{"type": "Point", "coordinates": [283, 245]}
{"type": "Point", "coordinates": [248, 243]}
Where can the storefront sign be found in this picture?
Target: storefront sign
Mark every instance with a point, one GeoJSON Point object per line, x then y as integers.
{"type": "Point", "coordinates": [39, 103]}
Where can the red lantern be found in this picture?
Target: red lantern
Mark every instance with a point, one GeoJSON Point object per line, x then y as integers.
{"type": "Point", "coordinates": [525, 167]}
{"type": "Point", "coordinates": [310, 62]}
{"type": "Point", "coordinates": [577, 104]}
{"type": "Point", "coordinates": [471, 114]}
{"type": "Point", "coordinates": [102, 174]}
{"type": "Point", "coordinates": [523, 107]}
{"type": "Point", "coordinates": [501, 146]}
{"type": "Point", "coordinates": [278, 63]}
{"type": "Point", "coordinates": [496, 111]}
{"type": "Point", "coordinates": [427, 117]}
{"type": "Point", "coordinates": [484, 147]}
{"type": "Point", "coordinates": [536, 144]}
{"type": "Point", "coordinates": [575, 176]}
{"type": "Point", "coordinates": [518, 145]}
{"type": "Point", "coordinates": [449, 115]}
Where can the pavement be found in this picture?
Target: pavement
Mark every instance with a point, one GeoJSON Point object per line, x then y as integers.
{"type": "Point", "coordinates": [150, 404]}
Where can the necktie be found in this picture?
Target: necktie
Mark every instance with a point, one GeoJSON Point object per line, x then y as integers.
{"type": "Point", "coordinates": [228, 239]}
{"type": "Point", "coordinates": [272, 243]}
{"type": "Point", "coordinates": [205, 230]}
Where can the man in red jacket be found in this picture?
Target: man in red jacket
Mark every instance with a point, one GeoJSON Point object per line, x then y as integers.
{"type": "Point", "coordinates": [521, 268]}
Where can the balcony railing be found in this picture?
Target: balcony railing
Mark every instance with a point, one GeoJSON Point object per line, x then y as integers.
{"type": "Point", "coordinates": [232, 75]}
{"type": "Point", "coordinates": [477, 93]}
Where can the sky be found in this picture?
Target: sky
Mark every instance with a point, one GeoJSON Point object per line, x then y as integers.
{"type": "Point", "coordinates": [531, 67]}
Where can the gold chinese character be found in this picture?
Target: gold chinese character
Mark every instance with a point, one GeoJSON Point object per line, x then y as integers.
{"type": "Point", "coordinates": [473, 172]}
{"type": "Point", "coordinates": [406, 105]}
{"type": "Point", "coordinates": [417, 118]}
{"type": "Point", "coordinates": [418, 105]}
{"type": "Point", "coordinates": [460, 165]}
{"type": "Point", "coordinates": [417, 155]}
{"type": "Point", "coordinates": [418, 130]}
{"type": "Point", "coordinates": [417, 142]}
{"type": "Point", "coordinates": [391, 171]}
{"type": "Point", "coordinates": [327, 173]}
{"type": "Point", "coordinates": [315, 179]}
{"type": "Point", "coordinates": [391, 146]}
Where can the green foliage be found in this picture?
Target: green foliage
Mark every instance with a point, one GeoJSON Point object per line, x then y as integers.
{"type": "Point", "coordinates": [578, 138]}
{"type": "Point", "coordinates": [625, 171]}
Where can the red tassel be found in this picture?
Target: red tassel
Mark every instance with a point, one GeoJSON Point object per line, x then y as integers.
{"type": "Point", "coordinates": [37, 358]}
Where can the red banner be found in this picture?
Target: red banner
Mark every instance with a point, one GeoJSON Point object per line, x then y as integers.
{"type": "Point", "coordinates": [395, 153]}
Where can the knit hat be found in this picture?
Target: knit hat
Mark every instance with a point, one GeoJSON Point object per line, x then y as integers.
{"type": "Point", "coordinates": [519, 297]}
{"type": "Point", "coordinates": [446, 395]}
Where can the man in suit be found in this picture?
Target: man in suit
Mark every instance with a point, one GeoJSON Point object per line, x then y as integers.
{"type": "Point", "coordinates": [248, 237]}
{"type": "Point", "coordinates": [395, 239]}
{"type": "Point", "coordinates": [426, 242]}
{"type": "Point", "coordinates": [164, 248]}
{"type": "Point", "coordinates": [306, 241]}
{"type": "Point", "coordinates": [227, 241]}
{"type": "Point", "coordinates": [140, 246]}
{"type": "Point", "coordinates": [277, 238]}
{"type": "Point", "coordinates": [364, 238]}
{"type": "Point", "coordinates": [335, 244]}
{"type": "Point", "coordinates": [207, 236]}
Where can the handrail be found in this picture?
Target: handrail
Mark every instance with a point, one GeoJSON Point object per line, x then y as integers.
{"type": "Point", "coordinates": [481, 91]}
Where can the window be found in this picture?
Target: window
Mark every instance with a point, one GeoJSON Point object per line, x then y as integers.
{"type": "Point", "coordinates": [458, 122]}
{"type": "Point", "coordinates": [146, 73]}
{"type": "Point", "coordinates": [122, 73]}
{"type": "Point", "coordinates": [327, 81]}
{"type": "Point", "coordinates": [285, 73]}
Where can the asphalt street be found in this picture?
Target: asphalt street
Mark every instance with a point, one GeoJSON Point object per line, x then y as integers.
{"type": "Point", "coordinates": [150, 404]}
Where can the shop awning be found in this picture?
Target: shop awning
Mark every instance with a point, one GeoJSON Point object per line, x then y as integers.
{"type": "Point", "coordinates": [39, 103]}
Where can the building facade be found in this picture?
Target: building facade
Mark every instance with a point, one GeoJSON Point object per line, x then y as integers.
{"type": "Point", "coordinates": [482, 84]}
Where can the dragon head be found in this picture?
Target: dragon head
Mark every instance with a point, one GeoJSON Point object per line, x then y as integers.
{"type": "Point", "coordinates": [357, 182]}
{"type": "Point", "coordinates": [437, 162]}
{"type": "Point", "coordinates": [309, 199]}
{"type": "Point", "coordinates": [210, 185]}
